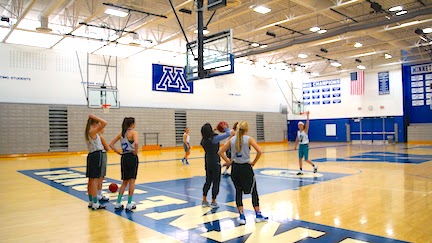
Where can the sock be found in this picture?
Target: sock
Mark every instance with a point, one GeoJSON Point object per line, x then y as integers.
{"type": "Point", "coordinates": [90, 198]}
{"type": "Point", "coordinates": [100, 192]}
{"type": "Point", "coordinates": [95, 200]}
{"type": "Point", "coordinates": [119, 198]}
{"type": "Point", "coordinates": [301, 168]}
{"type": "Point", "coordinates": [258, 213]}
{"type": "Point", "coordinates": [129, 199]}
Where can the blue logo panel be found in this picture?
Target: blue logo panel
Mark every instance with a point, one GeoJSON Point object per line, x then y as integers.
{"type": "Point", "coordinates": [174, 207]}
{"type": "Point", "coordinates": [170, 79]}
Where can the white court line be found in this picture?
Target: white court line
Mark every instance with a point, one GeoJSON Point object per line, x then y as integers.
{"type": "Point", "coordinates": [175, 193]}
{"type": "Point", "coordinates": [344, 184]}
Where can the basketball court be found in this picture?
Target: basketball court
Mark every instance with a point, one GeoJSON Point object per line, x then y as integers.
{"type": "Point", "coordinates": [361, 69]}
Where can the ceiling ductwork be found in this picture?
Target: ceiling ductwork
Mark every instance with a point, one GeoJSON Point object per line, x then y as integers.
{"type": "Point", "coordinates": [339, 31]}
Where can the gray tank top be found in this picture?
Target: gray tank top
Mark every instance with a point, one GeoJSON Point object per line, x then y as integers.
{"type": "Point", "coordinates": [94, 144]}
{"type": "Point", "coordinates": [242, 157]}
{"type": "Point", "coordinates": [127, 146]}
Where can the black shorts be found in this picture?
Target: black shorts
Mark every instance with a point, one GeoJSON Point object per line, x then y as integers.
{"type": "Point", "coordinates": [243, 177]}
{"type": "Point", "coordinates": [129, 166]}
{"type": "Point", "coordinates": [94, 164]}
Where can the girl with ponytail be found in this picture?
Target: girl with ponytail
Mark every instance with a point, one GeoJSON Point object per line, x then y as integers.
{"type": "Point", "coordinates": [129, 160]}
{"type": "Point", "coordinates": [242, 173]}
{"type": "Point", "coordinates": [94, 159]}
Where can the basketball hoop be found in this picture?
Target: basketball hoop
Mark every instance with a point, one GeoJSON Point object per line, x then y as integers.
{"type": "Point", "coordinates": [106, 108]}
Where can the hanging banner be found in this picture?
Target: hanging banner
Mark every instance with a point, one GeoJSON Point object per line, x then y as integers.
{"type": "Point", "coordinates": [384, 83]}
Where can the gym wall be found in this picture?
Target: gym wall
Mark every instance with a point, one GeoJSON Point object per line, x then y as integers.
{"type": "Point", "coordinates": [25, 127]}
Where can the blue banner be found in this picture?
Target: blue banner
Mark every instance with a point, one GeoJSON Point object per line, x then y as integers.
{"type": "Point", "coordinates": [336, 95]}
{"type": "Point", "coordinates": [337, 101]}
{"type": "Point", "coordinates": [326, 95]}
{"type": "Point", "coordinates": [336, 88]}
{"type": "Point", "coordinates": [383, 83]}
{"type": "Point", "coordinates": [326, 90]}
{"type": "Point", "coordinates": [326, 102]}
{"type": "Point", "coordinates": [315, 96]}
{"type": "Point", "coordinates": [170, 79]}
{"type": "Point", "coordinates": [316, 102]}
{"type": "Point", "coordinates": [315, 91]}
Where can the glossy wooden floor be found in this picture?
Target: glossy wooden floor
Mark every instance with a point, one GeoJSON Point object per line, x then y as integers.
{"type": "Point", "coordinates": [392, 199]}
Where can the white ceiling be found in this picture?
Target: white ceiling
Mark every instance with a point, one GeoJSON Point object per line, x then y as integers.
{"type": "Point", "coordinates": [346, 22]}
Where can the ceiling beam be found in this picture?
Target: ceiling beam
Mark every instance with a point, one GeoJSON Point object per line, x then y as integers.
{"type": "Point", "coordinates": [20, 18]}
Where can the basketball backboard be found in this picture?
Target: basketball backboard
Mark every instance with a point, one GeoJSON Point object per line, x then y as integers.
{"type": "Point", "coordinates": [218, 57]}
{"type": "Point", "coordinates": [99, 96]}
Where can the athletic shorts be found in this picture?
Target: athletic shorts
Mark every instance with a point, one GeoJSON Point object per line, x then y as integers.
{"type": "Point", "coordinates": [129, 166]}
{"type": "Point", "coordinates": [243, 177]}
{"type": "Point", "coordinates": [304, 151]}
{"type": "Point", "coordinates": [104, 164]}
{"type": "Point", "coordinates": [186, 148]}
{"type": "Point", "coordinates": [94, 164]}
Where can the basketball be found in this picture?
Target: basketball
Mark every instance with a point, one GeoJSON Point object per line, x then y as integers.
{"type": "Point", "coordinates": [113, 187]}
{"type": "Point", "coordinates": [220, 126]}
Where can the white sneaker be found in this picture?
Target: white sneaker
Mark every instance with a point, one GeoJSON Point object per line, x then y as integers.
{"type": "Point", "coordinates": [242, 219]}
{"type": "Point", "coordinates": [130, 206]}
{"type": "Point", "coordinates": [97, 206]}
{"type": "Point", "coordinates": [118, 206]}
{"type": "Point", "coordinates": [90, 205]}
{"type": "Point", "coordinates": [103, 198]}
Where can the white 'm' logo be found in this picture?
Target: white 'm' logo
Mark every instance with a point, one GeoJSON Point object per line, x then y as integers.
{"type": "Point", "coordinates": [173, 78]}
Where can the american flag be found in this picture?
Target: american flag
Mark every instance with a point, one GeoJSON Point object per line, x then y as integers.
{"type": "Point", "coordinates": [357, 83]}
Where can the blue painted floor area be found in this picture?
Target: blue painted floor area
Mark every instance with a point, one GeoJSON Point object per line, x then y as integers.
{"type": "Point", "coordinates": [174, 207]}
{"type": "Point", "coordinates": [389, 157]}
{"type": "Point", "coordinates": [269, 180]}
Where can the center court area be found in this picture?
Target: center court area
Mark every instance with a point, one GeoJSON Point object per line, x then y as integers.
{"type": "Point", "coordinates": [361, 193]}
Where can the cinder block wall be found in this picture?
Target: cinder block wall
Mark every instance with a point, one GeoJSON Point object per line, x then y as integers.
{"type": "Point", "coordinates": [24, 128]}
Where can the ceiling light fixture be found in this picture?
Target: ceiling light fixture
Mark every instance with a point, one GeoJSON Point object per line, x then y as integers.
{"type": "Point", "coordinates": [116, 12]}
{"type": "Point", "coordinates": [255, 44]}
{"type": "Point", "coordinates": [314, 74]}
{"type": "Point", "coordinates": [262, 10]}
{"type": "Point", "coordinates": [358, 45]}
{"type": "Point", "coordinates": [361, 67]}
{"type": "Point", "coordinates": [401, 12]}
{"type": "Point", "coordinates": [263, 46]}
{"type": "Point", "coordinates": [427, 30]}
{"type": "Point", "coordinates": [336, 64]}
{"type": "Point", "coordinates": [302, 55]}
{"type": "Point", "coordinates": [395, 8]}
{"type": "Point", "coordinates": [322, 31]}
{"type": "Point", "coordinates": [205, 31]}
{"type": "Point", "coordinates": [387, 56]}
{"type": "Point", "coordinates": [315, 29]}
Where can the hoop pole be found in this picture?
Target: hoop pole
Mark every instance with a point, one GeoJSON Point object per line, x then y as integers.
{"type": "Point", "coordinates": [200, 20]}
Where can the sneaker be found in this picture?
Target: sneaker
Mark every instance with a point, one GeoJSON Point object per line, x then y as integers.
{"type": "Point", "coordinates": [242, 219]}
{"type": "Point", "coordinates": [214, 205]}
{"type": "Point", "coordinates": [118, 206]}
{"type": "Point", "coordinates": [205, 204]}
{"type": "Point", "coordinates": [182, 160]}
{"type": "Point", "coordinates": [300, 172]}
{"type": "Point", "coordinates": [90, 205]}
{"type": "Point", "coordinates": [97, 206]}
{"type": "Point", "coordinates": [187, 162]}
{"type": "Point", "coordinates": [130, 206]}
{"type": "Point", "coordinates": [315, 168]}
{"type": "Point", "coordinates": [260, 218]}
{"type": "Point", "coordinates": [102, 198]}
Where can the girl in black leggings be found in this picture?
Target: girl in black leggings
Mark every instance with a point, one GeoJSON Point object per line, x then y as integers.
{"type": "Point", "coordinates": [242, 173]}
{"type": "Point", "coordinates": [210, 143]}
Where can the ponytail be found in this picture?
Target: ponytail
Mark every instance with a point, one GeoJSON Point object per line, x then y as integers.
{"type": "Point", "coordinates": [127, 122]}
{"type": "Point", "coordinates": [87, 129]}
{"type": "Point", "coordinates": [242, 128]}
